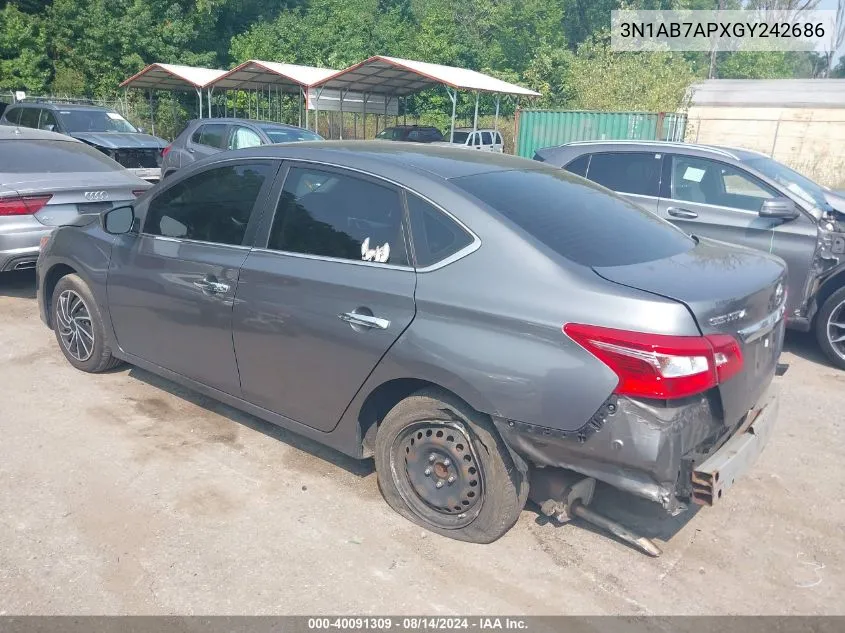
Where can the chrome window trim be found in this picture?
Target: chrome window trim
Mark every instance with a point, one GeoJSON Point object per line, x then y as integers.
{"type": "Point", "coordinates": [460, 254]}
{"type": "Point", "coordinates": [337, 260]}
{"type": "Point", "coordinates": [183, 240]}
{"type": "Point", "coordinates": [703, 148]}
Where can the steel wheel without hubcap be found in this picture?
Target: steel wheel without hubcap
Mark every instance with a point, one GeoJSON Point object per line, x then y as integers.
{"type": "Point", "coordinates": [836, 329]}
{"type": "Point", "coordinates": [74, 325]}
{"type": "Point", "coordinates": [437, 474]}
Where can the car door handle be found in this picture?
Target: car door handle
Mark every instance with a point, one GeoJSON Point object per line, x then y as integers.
{"type": "Point", "coordinates": [364, 320]}
{"type": "Point", "coordinates": [678, 212]}
{"type": "Point", "coordinates": [212, 287]}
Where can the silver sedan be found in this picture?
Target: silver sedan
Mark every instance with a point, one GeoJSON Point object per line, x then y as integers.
{"type": "Point", "coordinates": [49, 180]}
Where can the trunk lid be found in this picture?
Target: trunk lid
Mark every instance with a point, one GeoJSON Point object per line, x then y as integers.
{"type": "Point", "coordinates": [729, 290]}
{"type": "Point", "coordinates": [75, 194]}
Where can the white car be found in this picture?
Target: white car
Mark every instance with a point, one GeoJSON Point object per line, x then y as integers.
{"type": "Point", "coordinates": [487, 140]}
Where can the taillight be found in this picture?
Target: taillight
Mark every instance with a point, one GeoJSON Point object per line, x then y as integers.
{"type": "Point", "coordinates": [658, 365]}
{"type": "Point", "coordinates": [23, 205]}
{"type": "Point", "coordinates": [166, 151]}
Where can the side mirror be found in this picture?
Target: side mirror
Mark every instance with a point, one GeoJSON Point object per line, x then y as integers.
{"type": "Point", "coordinates": [779, 208]}
{"type": "Point", "coordinates": [142, 130]}
{"type": "Point", "coordinates": [119, 220]}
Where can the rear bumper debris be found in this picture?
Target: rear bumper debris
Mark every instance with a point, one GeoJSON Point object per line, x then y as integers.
{"type": "Point", "coordinates": [648, 449]}
{"type": "Point", "coordinates": [720, 471]}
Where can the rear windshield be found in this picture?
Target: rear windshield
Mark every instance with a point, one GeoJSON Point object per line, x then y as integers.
{"type": "Point", "coordinates": [576, 219]}
{"type": "Point", "coordinates": [53, 157]}
{"type": "Point", "coordinates": [79, 121]}
{"type": "Point", "coordinates": [289, 135]}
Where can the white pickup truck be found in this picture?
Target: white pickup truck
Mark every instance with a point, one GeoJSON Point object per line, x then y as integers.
{"type": "Point", "coordinates": [487, 140]}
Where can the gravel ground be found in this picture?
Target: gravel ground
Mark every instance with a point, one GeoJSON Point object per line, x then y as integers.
{"type": "Point", "coordinates": [123, 493]}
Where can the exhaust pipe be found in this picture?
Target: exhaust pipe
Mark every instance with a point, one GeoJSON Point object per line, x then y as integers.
{"type": "Point", "coordinates": [565, 494]}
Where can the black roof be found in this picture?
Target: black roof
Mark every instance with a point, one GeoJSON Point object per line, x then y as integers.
{"type": "Point", "coordinates": [383, 156]}
{"type": "Point", "coordinates": [51, 105]}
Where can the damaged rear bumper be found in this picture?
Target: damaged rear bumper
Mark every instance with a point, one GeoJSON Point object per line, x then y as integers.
{"type": "Point", "coordinates": [654, 450]}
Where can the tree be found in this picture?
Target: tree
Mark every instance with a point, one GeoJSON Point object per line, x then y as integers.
{"type": "Point", "coordinates": [24, 64]}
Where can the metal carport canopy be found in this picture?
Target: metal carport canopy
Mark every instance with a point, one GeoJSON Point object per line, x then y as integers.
{"type": "Point", "coordinates": [255, 74]}
{"type": "Point", "coordinates": [401, 77]}
{"type": "Point", "coordinates": [173, 77]}
{"type": "Point", "coordinates": [392, 76]}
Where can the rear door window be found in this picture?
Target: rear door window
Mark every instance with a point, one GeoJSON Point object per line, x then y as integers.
{"type": "Point", "coordinates": [627, 172]}
{"type": "Point", "coordinates": [212, 206]}
{"type": "Point", "coordinates": [486, 139]}
{"type": "Point", "coordinates": [211, 134]}
{"type": "Point", "coordinates": [54, 157]}
{"type": "Point", "coordinates": [436, 236]}
{"type": "Point", "coordinates": [576, 219]}
{"type": "Point", "coordinates": [48, 121]}
{"type": "Point", "coordinates": [29, 117]}
{"type": "Point", "coordinates": [335, 214]}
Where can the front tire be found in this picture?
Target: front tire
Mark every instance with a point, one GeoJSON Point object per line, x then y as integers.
{"type": "Point", "coordinates": [830, 328]}
{"type": "Point", "coordinates": [79, 327]}
{"type": "Point", "coordinates": [443, 466]}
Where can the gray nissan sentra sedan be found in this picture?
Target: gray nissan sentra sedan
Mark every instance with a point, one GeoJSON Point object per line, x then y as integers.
{"type": "Point", "coordinates": [462, 317]}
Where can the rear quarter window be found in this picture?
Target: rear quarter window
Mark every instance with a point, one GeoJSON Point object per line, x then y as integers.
{"type": "Point", "coordinates": [579, 165]}
{"type": "Point", "coordinates": [53, 157]}
{"type": "Point", "coordinates": [436, 236]}
{"type": "Point", "coordinates": [575, 219]}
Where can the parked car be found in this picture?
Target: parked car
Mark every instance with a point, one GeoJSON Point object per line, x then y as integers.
{"type": "Point", "coordinates": [101, 128]}
{"type": "Point", "coordinates": [458, 316]}
{"type": "Point", "coordinates": [202, 138]}
{"type": "Point", "coordinates": [411, 134]}
{"type": "Point", "coordinates": [48, 180]}
{"type": "Point", "coordinates": [738, 196]}
{"type": "Point", "coordinates": [485, 140]}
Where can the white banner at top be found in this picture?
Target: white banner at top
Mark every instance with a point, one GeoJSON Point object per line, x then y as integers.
{"type": "Point", "coordinates": [746, 30]}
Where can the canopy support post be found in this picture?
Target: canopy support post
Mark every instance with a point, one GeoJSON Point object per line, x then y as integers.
{"type": "Point", "coordinates": [453, 95]}
{"type": "Point", "coordinates": [364, 114]}
{"type": "Point", "coordinates": [340, 92]}
{"type": "Point", "coordinates": [405, 111]}
{"type": "Point", "coordinates": [307, 99]}
{"type": "Point", "coordinates": [384, 123]}
{"type": "Point", "coordinates": [210, 93]}
{"type": "Point", "coordinates": [317, 113]}
{"type": "Point", "coordinates": [152, 116]}
{"type": "Point", "coordinates": [199, 95]}
{"type": "Point", "coordinates": [475, 118]}
{"type": "Point", "coordinates": [496, 119]}
{"type": "Point", "coordinates": [301, 91]}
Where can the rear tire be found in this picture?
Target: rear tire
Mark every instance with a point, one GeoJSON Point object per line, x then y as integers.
{"type": "Point", "coordinates": [432, 437]}
{"type": "Point", "coordinates": [78, 326]}
{"type": "Point", "coordinates": [832, 313]}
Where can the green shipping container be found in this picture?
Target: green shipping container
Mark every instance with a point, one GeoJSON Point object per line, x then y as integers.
{"type": "Point", "coordinates": [546, 128]}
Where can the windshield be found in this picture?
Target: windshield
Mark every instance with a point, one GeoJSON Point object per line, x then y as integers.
{"type": "Point", "coordinates": [809, 191]}
{"type": "Point", "coordinates": [460, 137]}
{"type": "Point", "coordinates": [289, 134]}
{"type": "Point", "coordinates": [76, 121]}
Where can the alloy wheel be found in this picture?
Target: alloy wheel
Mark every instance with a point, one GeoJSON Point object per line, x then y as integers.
{"type": "Point", "coordinates": [437, 473]}
{"type": "Point", "coordinates": [836, 329]}
{"type": "Point", "coordinates": [74, 324]}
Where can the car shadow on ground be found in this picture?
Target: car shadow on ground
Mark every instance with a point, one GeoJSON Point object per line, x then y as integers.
{"type": "Point", "coordinates": [20, 284]}
{"type": "Point", "coordinates": [804, 345]}
{"type": "Point", "coordinates": [359, 467]}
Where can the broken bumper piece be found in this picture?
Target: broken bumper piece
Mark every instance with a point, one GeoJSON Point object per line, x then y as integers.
{"type": "Point", "coordinates": [720, 471]}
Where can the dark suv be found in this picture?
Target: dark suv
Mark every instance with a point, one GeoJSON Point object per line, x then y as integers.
{"type": "Point", "coordinates": [411, 133]}
{"type": "Point", "coordinates": [739, 196]}
{"type": "Point", "coordinates": [102, 128]}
